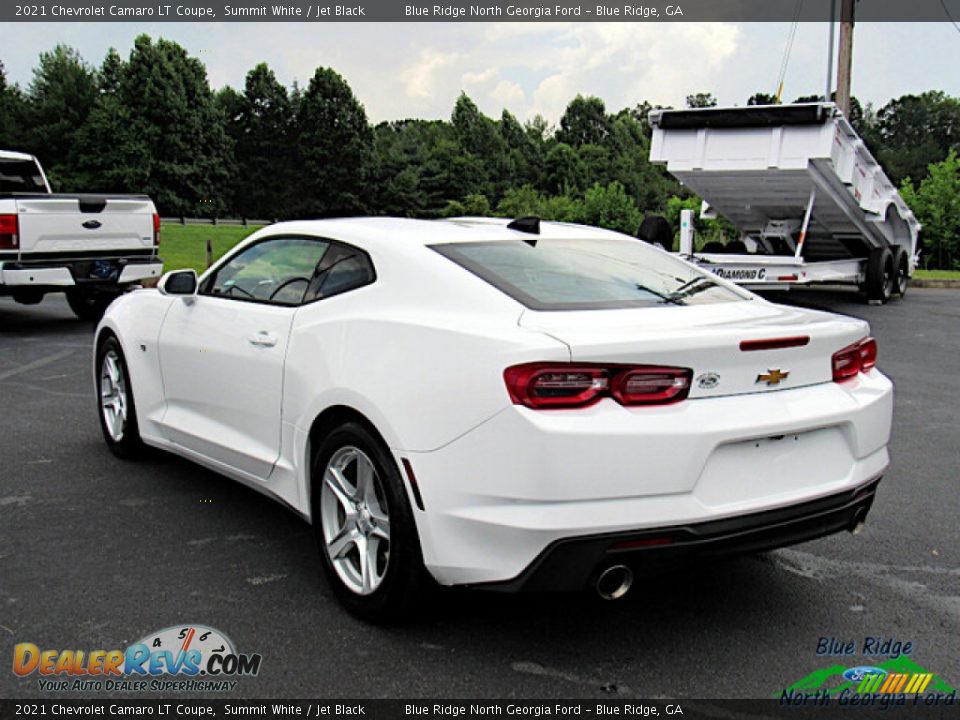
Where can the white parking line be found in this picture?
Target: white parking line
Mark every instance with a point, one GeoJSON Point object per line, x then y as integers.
{"type": "Point", "coordinates": [37, 364]}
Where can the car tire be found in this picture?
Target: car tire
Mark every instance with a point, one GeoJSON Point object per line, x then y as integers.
{"type": "Point", "coordinates": [115, 404]}
{"type": "Point", "coordinates": [87, 305]}
{"type": "Point", "coordinates": [348, 515]}
{"type": "Point", "coordinates": [880, 275]}
{"type": "Point", "coordinates": [901, 270]}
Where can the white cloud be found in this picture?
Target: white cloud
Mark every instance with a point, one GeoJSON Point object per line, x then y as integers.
{"type": "Point", "coordinates": [402, 70]}
{"type": "Point", "coordinates": [424, 77]}
{"type": "Point", "coordinates": [508, 94]}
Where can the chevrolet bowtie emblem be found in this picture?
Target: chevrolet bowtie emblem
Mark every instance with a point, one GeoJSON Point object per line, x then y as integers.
{"type": "Point", "coordinates": [773, 377]}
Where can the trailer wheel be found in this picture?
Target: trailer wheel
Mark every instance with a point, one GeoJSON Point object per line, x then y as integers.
{"type": "Point", "coordinates": [901, 270]}
{"type": "Point", "coordinates": [880, 275]}
{"type": "Point", "coordinates": [656, 230]}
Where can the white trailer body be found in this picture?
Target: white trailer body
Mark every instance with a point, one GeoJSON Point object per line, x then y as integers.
{"type": "Point", "coordinates": [811, 202]}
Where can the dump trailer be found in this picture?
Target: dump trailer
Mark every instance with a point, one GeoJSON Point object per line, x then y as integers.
{"type": "Point", "coordinates": [810, 201]}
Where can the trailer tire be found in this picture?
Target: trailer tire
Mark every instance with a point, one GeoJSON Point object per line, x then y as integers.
{"type": "Point", "coordinates": [901, 270]}
{"type": "Point", "coordinates": [656, 230]}
{"type": "Point", "coordinates": [880, 275]}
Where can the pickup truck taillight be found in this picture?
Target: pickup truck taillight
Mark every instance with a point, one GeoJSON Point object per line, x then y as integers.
{"type": "Point", "coordinates": [9, 232]}
{"type": "Point", "coordinates": [853, 359]}
{"type": "Point", "coordinates": [543, 385]}
{"type": "Point", "coordinates": [156, 230]}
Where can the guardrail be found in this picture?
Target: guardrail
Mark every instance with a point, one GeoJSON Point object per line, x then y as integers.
{"type": "Point", "coordinates": [215, 221]}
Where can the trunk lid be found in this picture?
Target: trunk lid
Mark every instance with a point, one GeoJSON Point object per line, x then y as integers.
{"type": "Point", "coordinates": [707, 339]}
{"type": "Point", "coordinates": [77, 224]}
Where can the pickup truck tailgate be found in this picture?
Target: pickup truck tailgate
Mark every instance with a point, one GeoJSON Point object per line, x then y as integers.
{"type": "Point", "coordinates": [65, 224]}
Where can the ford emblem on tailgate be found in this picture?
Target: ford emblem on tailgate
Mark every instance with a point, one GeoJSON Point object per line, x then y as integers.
{"type": "Point", "coordinates": [92, 224]}
{"type": "Point", "coordinates": [708, 381]}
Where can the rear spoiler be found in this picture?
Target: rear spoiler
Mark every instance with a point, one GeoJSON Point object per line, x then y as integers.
{"type": "Point", "coordinates": [746, 117]}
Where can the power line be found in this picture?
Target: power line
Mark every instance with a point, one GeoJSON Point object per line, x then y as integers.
{"type": "Point", "coordinates": [943, 4]}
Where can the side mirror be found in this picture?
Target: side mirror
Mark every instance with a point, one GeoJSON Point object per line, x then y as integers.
{"type": "Point", "coordinates": [179, 282]}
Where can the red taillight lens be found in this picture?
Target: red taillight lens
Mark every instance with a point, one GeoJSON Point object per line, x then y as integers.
{"type": "Point", "coordinates": [156, 230]}
{"type": "Point", "coordinates": [544, 385]}
{"type": "Point", "coordinates": [868, 354]}
{"type": "Point", "coordinates": [651, 385]}
{"type": "Point", "coordinates": [853, 359]}
{"type": "Point", "coordinates": [555, 385]}
{"type": "Point", "coordinates": [9, 232]}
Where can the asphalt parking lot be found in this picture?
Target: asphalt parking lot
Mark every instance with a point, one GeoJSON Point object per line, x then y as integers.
{"type": "Point", "coordinates": [96, 553]}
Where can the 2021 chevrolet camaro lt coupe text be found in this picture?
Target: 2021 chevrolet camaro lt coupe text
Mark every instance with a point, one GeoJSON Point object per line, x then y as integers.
{"type": "Point", "coordinates": [517, 406]}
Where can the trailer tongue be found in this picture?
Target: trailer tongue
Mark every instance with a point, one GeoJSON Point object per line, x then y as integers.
{"type": "Point", "coordinates": [811, 202]}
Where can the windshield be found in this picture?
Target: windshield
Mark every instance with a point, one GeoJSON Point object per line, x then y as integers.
{"type": "Point", "coordinates": [20, 176]}
{"type": "Point", "coordinates": [551, 274]}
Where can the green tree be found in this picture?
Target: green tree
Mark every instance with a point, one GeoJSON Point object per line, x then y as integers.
{"type": "Point", "coordinates": [59, 100]}
{"type": "Point", "coordinates": [585, 122]}
{"type": "Point", "coordinates": [762, 98]}
{"type": "Point", "coordinates": [564, 170]}
{"type": "Point", "coordinates": [113, 155]}
{"type": "Point", "coordinates": [610, 207]}
{"type": "Point", "coordinates": [914, 131]}
{"type": "Point", "coordinates": [260, 121]}
{"type": "Point", "coordinates": [11, 113]}
{"type": "Point", "coordinates": [157, 128]}
{"type": "Point", "coordinates": [701, 100]}
{"type": "Point", "coordinates": [480, 137]}
{"type": "Point", "coordinates": [334, 143]}
{"type": "Point", "coordinates": [936, 203]}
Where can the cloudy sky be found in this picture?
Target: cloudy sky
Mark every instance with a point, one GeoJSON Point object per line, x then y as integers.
{"type": "Point", "coordinates": [417, 69]}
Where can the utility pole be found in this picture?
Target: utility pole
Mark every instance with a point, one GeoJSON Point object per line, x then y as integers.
{"type": "Point", "coordinates": [845, 60]}
{"type": "Point", "coordinates": [833, 32]}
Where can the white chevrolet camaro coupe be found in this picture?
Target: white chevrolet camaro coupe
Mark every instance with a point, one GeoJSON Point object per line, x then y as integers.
{"type": "Point", "coordinates": [516, 406]}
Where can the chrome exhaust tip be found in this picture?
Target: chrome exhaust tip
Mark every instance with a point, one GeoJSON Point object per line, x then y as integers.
{"type": "Point", "coordinates": [614, 582]}
{"type": "Point", "coordinates": [858, 522]}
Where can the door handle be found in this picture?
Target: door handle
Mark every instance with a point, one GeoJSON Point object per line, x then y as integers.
{"type": "Point", "coordinates": [263, 339]}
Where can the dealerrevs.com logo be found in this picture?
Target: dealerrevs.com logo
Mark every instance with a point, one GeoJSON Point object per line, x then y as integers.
{"type": "Point", "coordinates": [180, 658]}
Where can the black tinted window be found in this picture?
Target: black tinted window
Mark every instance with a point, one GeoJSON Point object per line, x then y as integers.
{"type": "Point", "coordinates": [343, 268]}
{"type": "Point", "coordinates": [549, 274]}
{"type": "Point", "coordinates": [20, 176]}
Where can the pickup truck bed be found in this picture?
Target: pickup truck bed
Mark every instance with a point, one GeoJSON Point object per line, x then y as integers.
{"type": "Point", "coordinates": [91, 246]}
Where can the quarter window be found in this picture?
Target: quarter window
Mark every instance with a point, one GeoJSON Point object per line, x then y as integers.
{"type": "Point", "coordinates": [343, 268]}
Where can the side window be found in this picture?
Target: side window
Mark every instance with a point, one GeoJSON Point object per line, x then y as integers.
{"type": "Point", "coordinates": [343, 268]}
{"type": "Point", "coordinates": [278, 271]}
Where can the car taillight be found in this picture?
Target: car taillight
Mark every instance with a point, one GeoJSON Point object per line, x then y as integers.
{"type": "Point", "coordinates": [651, 385]}
{"type": "Point", "coordinates": [9, 232]}
{"type": "Point", "coordinates": [556, 385]}
{"type": "Point", "coordinates": [853, 359]}
{"type": "Point", "coordinates": [156, 230]}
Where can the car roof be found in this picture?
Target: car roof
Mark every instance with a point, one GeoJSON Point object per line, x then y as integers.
{"type": "Point", "coordinates": [11, 155]}
{"type": "Point", "coordinates": [372, 231]}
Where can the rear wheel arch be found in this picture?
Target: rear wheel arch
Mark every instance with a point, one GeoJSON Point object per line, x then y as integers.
{"type": "Point", "coordinates": [324, 424]}
{"type": "Point", "coordinates": [105, 334]}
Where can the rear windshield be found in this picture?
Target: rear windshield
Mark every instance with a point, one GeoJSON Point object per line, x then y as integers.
{"type": "Point", "coordinates": [549, 274]}
{"type": "Point", "coordinates": [20, 176]}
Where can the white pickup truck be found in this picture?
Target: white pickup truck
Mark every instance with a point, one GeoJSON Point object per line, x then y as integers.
{"type": "Point", "coordinates": [92, 247]}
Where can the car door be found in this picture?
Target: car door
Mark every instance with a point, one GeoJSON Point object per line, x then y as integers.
{"type": "Point", "coordinates": [222, 353]}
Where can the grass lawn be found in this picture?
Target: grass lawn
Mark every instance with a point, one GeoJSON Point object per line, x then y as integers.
{"type": "Point", "coordinates": [184, 246]}
{"type": "Point", "coordinates": [937, 274]}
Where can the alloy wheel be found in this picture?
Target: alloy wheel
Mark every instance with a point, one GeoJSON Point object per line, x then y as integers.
{"type": "Point", "coordinates": [355, 520]}
{"type": "Point", "coordinates": [113, 395]}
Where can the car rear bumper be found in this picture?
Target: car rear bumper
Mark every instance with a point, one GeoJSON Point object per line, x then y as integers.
{"type": "Point", "coordinates": [499, 496]}
{"type": "Point", "coordinates": [575, 563]}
